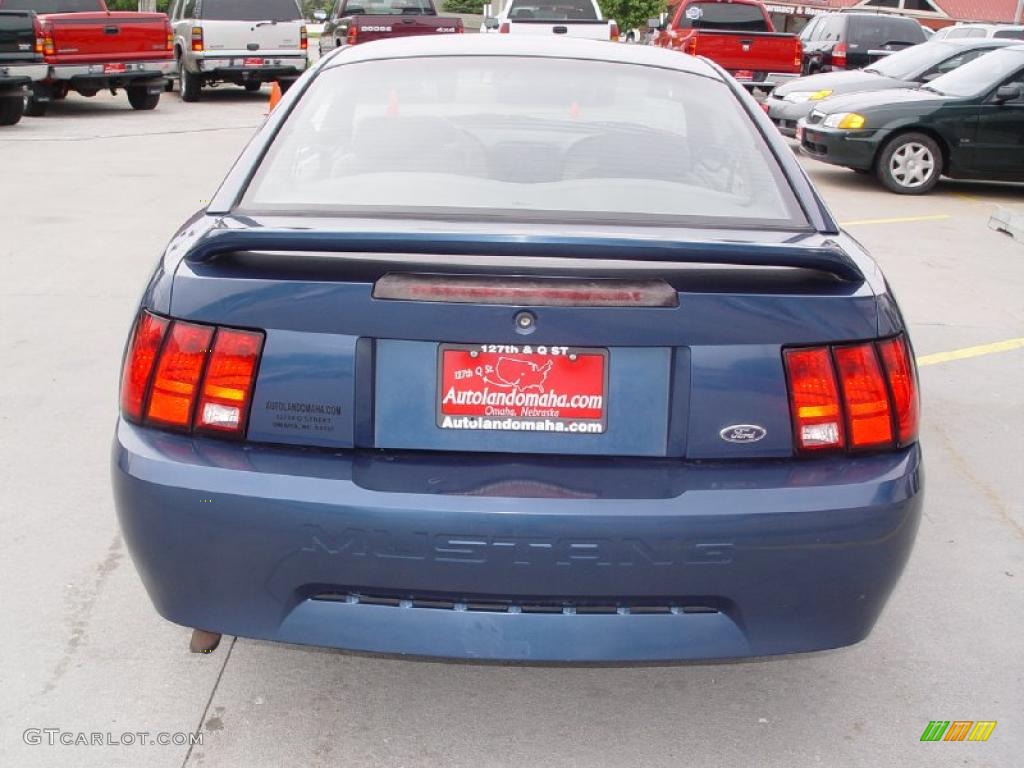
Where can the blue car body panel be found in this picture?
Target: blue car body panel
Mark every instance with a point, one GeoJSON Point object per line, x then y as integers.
{"type": "Point", "coordinates": [347, 519]}
{"type": "Point", "coordinates": [272, 543]}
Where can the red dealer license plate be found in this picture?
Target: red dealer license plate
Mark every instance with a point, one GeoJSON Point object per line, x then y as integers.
{"type": "Point", "coordinates": [522, 388]}
{"type": "Point", "coordinates": [743, 74]}
{"type": "Point", "coordinates": [113, 69]}
{"type": "Point", "coordinates": [253, 62]}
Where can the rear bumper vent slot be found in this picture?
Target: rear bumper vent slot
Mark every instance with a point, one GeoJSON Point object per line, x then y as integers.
{"type": "Point", "coordinates": [624, 606]}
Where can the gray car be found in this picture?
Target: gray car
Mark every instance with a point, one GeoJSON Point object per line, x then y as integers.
{"type": "Point", "coordinates": [908, 68]}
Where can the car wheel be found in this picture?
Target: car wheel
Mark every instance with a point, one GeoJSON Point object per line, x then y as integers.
{"type": "Point", "coordinates": [189, 84]}
{"type": "Point", "coordinates": [910, 164]}
{"type": "Point", "coordinates": [140, 98]}
{"type": "Point", "coordinates": [33, 107]}
{"type": "Point", "coordinates": [11, 109]}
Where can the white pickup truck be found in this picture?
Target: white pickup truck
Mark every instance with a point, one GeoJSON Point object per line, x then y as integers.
{"type": "Point", "coordinates": [572, 18]}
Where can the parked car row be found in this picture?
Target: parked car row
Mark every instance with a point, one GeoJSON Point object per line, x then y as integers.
{"type": "Point", "coordinates": [49, 48]}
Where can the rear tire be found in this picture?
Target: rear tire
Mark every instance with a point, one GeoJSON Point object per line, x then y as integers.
{"type": "Point", "coordinates": [189, 84]}
{"type": "Point", "coordinates": [11, 109]}
{"type": "Point", "coordinates": [252, 87]}
{"type": "Point", "coordinates": [33, 107]}
{"type": "Point", "coordinates": [141, 99]}
{"type": "Point", "coordinates": [910, 164]}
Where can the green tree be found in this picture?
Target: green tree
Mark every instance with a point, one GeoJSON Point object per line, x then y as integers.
{"type": "Point", "coordinates": [630, 14]}
{"type": "Point", "coordinates": [464, 6]}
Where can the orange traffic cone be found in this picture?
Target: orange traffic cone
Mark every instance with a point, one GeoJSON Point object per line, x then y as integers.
{"type": "Point", "coordinates": [275, 96]}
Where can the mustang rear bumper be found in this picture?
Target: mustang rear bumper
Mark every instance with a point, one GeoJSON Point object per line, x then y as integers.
{"type": "Point", "coordinates": [509, 558]}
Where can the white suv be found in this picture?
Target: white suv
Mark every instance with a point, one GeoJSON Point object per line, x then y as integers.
{"type": "Point", "coordinates": [974, 31]}
{"type": "Point", "coordinates": [245, 42]}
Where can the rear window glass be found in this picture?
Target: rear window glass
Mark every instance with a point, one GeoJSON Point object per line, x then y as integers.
{"type": "Point", "coordinates": [876, 32]}
{"type": "Point", "coordinates": [51, 6]}
{"type": "Point", "coordinates": [738, 16]}
{"type": "Point", "coordinates": [522, 138]}
{"type": "Point", "coordinates": [979, 75]}
{"type": "Point", "coordinates": [249, 10]}
{"type": "Point", "coordinates": [1010, 34]}
{"type": "Point", "coordinates": [388, 8]}
{"type": "Point", "coordinates": [563, 10]}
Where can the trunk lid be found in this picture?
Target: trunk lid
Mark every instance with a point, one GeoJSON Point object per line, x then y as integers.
{"type": "Point", "coordinates": [347, 365]}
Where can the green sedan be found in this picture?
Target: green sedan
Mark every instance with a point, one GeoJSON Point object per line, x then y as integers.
{"type": "Point", "coordinates": [968, 124]}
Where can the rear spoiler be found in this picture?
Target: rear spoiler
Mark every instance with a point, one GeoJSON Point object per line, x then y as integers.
{"type": "Point", "coordinates": [829, 258]}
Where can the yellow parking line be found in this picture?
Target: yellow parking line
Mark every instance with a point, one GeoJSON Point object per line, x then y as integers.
{"type": "Point", "coordinates": [966, 352]}
{"type": "Point", "coordinates": [897, 220]}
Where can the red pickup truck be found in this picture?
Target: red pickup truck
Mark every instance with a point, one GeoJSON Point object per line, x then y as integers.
{"type": "Point", "coordinates": [738, 35]}
{"type": "Point", "coordinates": [88, 49]}
{"type": "Point", "coordinates": [360, 21]}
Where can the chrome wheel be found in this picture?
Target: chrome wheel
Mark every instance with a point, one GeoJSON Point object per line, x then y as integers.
{"type": "Point", "coordinates": [912, 165]}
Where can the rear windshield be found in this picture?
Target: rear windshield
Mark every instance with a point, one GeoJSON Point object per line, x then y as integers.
{"type": "Point", "coordinates": [522, 138]}
{"type": "Point", "coordinates": [249, 10]}
{"type": "Point", "coordinates": [51, 6]}
{"type": "Point", "coordinates": [907, 63]}
{"type": "Point", "coordinates": [737, 16]}
{"type": "Point", "coordinates": [1011, 34]}
{"type": "Point", "coordinates": [388, 8]}
{"type": "Point", "coordinates": [878, 31]}
{"type": "Point", "coordinates": [552, 10]}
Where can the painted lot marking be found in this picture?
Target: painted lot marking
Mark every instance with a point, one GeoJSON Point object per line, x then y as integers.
{"type": "Point", "coordinates": [896, 220]}
{"type": "Point", "coordinates": [966, 352]}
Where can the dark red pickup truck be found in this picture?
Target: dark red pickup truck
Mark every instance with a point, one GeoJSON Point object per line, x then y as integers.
{"type": "Point", "coordinates": [88, 49]}
{"type": "Point", "coordinates": [738, 35]}
{"type": "Point", "coordinates": [359, 21]}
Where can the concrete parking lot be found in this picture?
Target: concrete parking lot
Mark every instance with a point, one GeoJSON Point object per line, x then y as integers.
{"type": "Point", "coordinates": [88, 196]}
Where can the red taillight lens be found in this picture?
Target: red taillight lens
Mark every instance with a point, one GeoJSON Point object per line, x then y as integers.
{"type": "Point", "coordinates": [613, 32]}
{"type": "Point", "coordinates": [868, 414]}
{"type": "Point", "coordinates": [227, 386]}
{"type": "Point", "coordinates": [177, 375]}
{"type": "Point", "coordinates": [839, 55]}
{"type": "Point", "coordinates": [173, 377]}
{"type": "Point", "coordinates": [504, 28]}
{"type": "Point", "coordinates": [899, 370]}
{"type": "Point", "coordinates": [138, 363]}
{"type": "Point", "coordinates": [353, 35]}
{"type": "Point", "coordinates": [303, 38]}
{"type": "Point", "coordinates": [856, 396]}
{"type": "Point", "coordinates": [690, 46]}
{"type": "Point", "coordinates": [197, 38]}
{"type": "Point", "coordinates": [798, 54]}
{"type": "Point", "coordinates": [814, 400]}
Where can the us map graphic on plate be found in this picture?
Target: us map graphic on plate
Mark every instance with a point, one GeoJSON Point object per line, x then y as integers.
{"type": "Point", "coordinates": [522, 388]}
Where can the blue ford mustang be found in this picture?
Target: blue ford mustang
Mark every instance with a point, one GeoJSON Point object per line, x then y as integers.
{"type": "Point", "coordinates": [519, 349]}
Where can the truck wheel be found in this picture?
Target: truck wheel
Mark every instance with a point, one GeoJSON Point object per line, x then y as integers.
{"type": "Point", "coordinates": [250, 87]}
{"type": "Point", "coordinates": [910, 164]}
{"type": "Point", "coordinates": [33, 107]}
{"type": "Point", "coordinates": [189, 84]}
{"type": "Point", "coordinates": [11, 109]}
{"type": "Point", "coordinates": [140, 98]}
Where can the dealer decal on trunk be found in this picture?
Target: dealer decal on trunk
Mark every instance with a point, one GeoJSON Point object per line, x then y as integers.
{"type": "Point", "coordinates": [522, 388]}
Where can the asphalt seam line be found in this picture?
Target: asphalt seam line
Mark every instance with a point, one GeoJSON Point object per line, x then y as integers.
{"type": "Point", "coordinates": [209, 701]}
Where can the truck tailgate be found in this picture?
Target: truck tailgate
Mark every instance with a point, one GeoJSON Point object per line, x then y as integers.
{"type": "Point", "coordinates": [596, 29]}
{"type": "Point", "coordinates": [752, 51]}
{"type": "Point", "coordinates": [93, 37]}
{"type": "Point", "coordinates": [381, 27]}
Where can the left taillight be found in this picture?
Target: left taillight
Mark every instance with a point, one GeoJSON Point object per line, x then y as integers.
{"type": "Point", "coordinates": [197, 38]}
{"type": "Point", "coordinates": [189, 376]}
{"type": "Point", "coordinates": [613, 32]}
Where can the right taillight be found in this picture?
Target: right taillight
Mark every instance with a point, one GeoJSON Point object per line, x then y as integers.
{"type": "Point", "coordinates": [838, 57]}
{"type": "Point", "coordinates": [189, 376]}
{"type": "Point", "coordinates": [853, 397]}
{"type": "Point", "coordinates": [352, 37]}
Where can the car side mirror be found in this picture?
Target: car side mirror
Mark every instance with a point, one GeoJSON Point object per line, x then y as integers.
{"type": "Point", "coordinates": [320, 15]}
{"type": "Point", "coordinates": [491, 23]}
{"type": "Point", "coordinates": [1009, 93]}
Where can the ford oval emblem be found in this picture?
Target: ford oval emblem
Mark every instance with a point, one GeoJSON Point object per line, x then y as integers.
{"type": "Point", "coordinates": [743, 433]}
